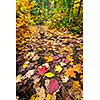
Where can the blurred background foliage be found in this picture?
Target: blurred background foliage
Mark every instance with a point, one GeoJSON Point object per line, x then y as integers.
{"type": "Point", "coordinates": [60, 14]}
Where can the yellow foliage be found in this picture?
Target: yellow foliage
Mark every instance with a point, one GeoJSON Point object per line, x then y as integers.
{"type": "Point", "coordinates": [25, 65]}
{"type": "Point", "coordinates": [58, 68]}
{"type": "Point", "coordinates": [48, 59]}
{"type": "Point", "coordinates": [49, 74]}
{"type": "Point", "coordinates": [33, 97]}
{"type": "Point", "coordinates": [76, 84]}
{"type": "Point", "coordinates": [49, 96]}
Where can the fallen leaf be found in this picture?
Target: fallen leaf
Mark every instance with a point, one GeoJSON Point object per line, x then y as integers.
{"type": "Point", "coordinates": [76, 84]}
{"type": "Point", "coordinates": [70, 72]}
{"type": "Point", "coordinates": [49, 74]}
{"type": "Point", "coordinates": [46, 64]}
{"type": "Point", "coordinates": [64, 48]}
{"type": "Point", "coordinates": [77, 68]}
{"type": "Point", "coordinates": [64, 78]}
{"type": "Point", "coordinates": [53, 86]}
{"type": "Point", "coordinates": [55, 57]}
{"type": "Point", "coordinates": [33, 97]}
{"type": "Point", "coordinates": [62, 63]}
{"type": "Point", "coordinates": [28, 74]}
{"type": "Point", "coordinates": [58, 68]}
{"type": "Point", "coordinates": [25, 65]}
{"type": "Point", "coordinates": [42, 70]}
{"type": "Point", "coordinates": [18, 78]}
{"type": "Point", "coordinates": [48, 59]}
{"type": "Point", "coordinates": [40, 93]}
{"type": "Point", "coordinates": [49, 96]}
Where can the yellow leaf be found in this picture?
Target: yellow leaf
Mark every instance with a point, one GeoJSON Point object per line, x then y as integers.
{"type": "Point", "coordinates": [25, 65]}
{"type": "Point", "coordinates": [33, 97]}
{"type": "Point", "coordinates": [58, 68]}
{"type": "Point", "coordinates": [64, 48]}
{"type": "Point", "coordinates": [48, 59]}
{"type": "Point", "coordinates": [77, 68]}
{"type": "Point", "coordinates": [76, 84]}
{"type": "Point", "coordinates": [49, 96]}
{"type": "Point", "coordinates": [40, 49]}
{"type": "Point", "coordinates": [49, 74]}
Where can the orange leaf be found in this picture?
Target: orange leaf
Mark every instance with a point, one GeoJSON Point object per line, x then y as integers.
{"type": "Point", "coordinates": [70, 72]}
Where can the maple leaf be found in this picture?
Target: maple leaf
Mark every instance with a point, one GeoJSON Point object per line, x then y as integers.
{"type": "Point", "coordinates": [53, 86]}
{"type": "Point", "coordinates": [70, 72]}
{"type": "Point", "coordinates": [49, 74]}
{"type": "Point", "coordinates": [77, 68]}
{"type": "Point", "coordinates": [42, 70]}
{"type": "Point", "coordinates": [76, 84]}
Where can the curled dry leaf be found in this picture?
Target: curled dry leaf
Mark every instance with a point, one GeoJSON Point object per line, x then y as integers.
{"type": "Point", "coordinates": [18, 78]}
{"type": "Point", "coordinates": [64, 78]}
{"type": "Point", "coordinates": [40, 93]}
{"type": "Point", "coordinates": [28, 74]}
{"type": "Point", "coordinates": [46, 64]}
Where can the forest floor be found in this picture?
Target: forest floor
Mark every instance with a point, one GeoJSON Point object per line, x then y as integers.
{"type": "Point", "coordinates": [49, 64]}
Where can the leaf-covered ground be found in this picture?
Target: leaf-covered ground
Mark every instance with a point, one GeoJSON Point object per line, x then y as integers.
{"type": "Point", "coordinates": [49, 64]}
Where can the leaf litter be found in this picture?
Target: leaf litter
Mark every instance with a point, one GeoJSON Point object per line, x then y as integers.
{"type": "Point", "coordinates": [48, 66]}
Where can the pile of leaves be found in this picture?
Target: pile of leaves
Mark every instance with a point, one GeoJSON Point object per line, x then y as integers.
{"type": "Point", "coordinates": [49, 64]}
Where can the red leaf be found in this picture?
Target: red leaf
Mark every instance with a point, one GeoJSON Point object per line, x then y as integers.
{"type": "Point", "coordinates": [42, 70]}
{"type": "Point", "coordinates": [53, 86]}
